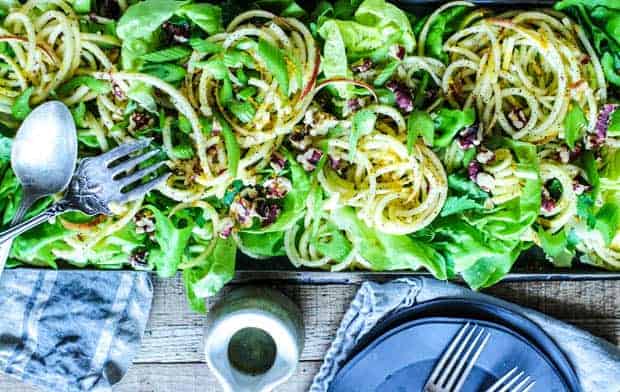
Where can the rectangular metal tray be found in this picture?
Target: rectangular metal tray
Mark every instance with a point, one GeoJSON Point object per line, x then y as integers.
{"type": "Point", "coordinates": [530, 266]}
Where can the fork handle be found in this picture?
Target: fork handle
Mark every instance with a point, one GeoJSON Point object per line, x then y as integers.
{"type": "Point", "coordinates": [15, 230]}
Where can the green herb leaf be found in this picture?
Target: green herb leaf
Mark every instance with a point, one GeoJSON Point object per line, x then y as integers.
{"type": "Point", "coordinates": [82, 6]}
{"type": "Point", "coordinates": [331, 242]}
{"type": "Point", "coordinates": [183, 150]}
{"type": "Point", "coordinates": [142, 94]}
{"type": "Point", "coordinates": [465, 186]}
{"type": "Point", "coordinates": [388, 252]}
{"type": "Point", "coordinates": [221, 269]}
{"type": "Point", "coordinates": [244, 111]}
{"type": "Point", "coordinates": [575, 124]}
{"type": "Point", "coordinates": [205, 47]}
{"type": "Point", "coordinates": [237, 58]}
{"type": "Point", "coordinates": [184, 125]}
{"type": "Point", "coordinates": [21, 106]}
{"type": "Point", "coordinates": [557, 247]}
{"type": "Point", "coordinates": [245, 93]}
{"type": "Point", "coordinates": [215, 67]}
{"type": "Point", "coordinates": [96, 85]}
{"type": "Point", "coordinates": [585, 209]}
{"type": "Point", "coordinates": [5, 148]}
{"type": "Point", "coordinates": [262, 245]}
{"type": "Point", "coordinates": [170, 73]}
{"type": "Point", "coordinates": [79, 113]}
{"type": "Point", "coordinates": [445, 23]}
{"type": "Point", "coordinates": [169, 54]}
{"type": "Point", "coordinates": [233, 151]}
{"type": "Point", "coordinates": [275, 63]}
{"type": "Point", "coordinates": [420, 123]}
{"type": "Point", "coordinates": [363, 123]}
{"type": "Point", "coordinates": [614, 123]}
{"type": "Point", "coordinates": [226, 92]}
{"type": "Point", "coordinates": [386, 73]}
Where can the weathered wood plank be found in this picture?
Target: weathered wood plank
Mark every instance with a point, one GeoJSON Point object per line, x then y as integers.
{"type": "Point", "coordinates": [185, 377]}
{"type": "Point", "coordinates": [171, 354]}
{"type": "Point", "coordinates": [174, 334]}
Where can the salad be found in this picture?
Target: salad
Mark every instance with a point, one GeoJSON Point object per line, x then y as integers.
{"type": "Point", "coordinates": [353, 135]}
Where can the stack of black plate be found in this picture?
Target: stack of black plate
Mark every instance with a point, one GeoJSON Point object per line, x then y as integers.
{"type": "Point", "coordinates": [400, 352]}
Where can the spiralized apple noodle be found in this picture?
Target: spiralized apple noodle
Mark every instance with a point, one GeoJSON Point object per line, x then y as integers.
{"type": "Point", "coordinates": [391, 190]}
{"type": "Point", "coordinates": [594, 249]}
{"type": "Point", "coordinates": [49, 49]}
{"type": "Point", "coordinates": [276, 113]}
{"type": "Point", "coordinates": [506, 179]}
{"type": "Point", "coordinates": [564, 210]}
{"type": "Point", "coordinates": [301, 251]}
{"type": "Point", "coordinates": [521, 71]}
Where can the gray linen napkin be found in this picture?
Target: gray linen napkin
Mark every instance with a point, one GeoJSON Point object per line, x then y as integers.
{"type": "Point", "coordinates": [71, 331]}
{"type": "Point", "coordinates": [596, 361]}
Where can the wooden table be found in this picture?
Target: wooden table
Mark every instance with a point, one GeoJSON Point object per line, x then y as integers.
{"type": "Point", "coordinates": [171, 357]}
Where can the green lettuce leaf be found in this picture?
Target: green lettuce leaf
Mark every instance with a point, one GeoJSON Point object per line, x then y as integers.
{"type": "Point", "coordinates": [481, 258]}
{"type": "Point", "coordinates": [449, 122]}
{"type": "Point", "coordinates": [387, 252]}
{"type": "Point", "coordinates": [172, 238]}
{"type": "Point", "coordinates": [376, 24]}
{"type": "Point", "coordinates": [141, 19]}
{"type": "Point", "coordinates": [294, 203]}
{"type": "Point", "coordinates": [262, 245]}
{"type": "Point", "coordinates": [206, 280]}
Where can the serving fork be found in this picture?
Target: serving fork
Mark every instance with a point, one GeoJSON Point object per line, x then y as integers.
{"type": "Point", "coordinates": [98, 182]}
{"type": "Point", "coordinates": [457, 362]}
{"type": "Point", "coordinates": [511, 382]}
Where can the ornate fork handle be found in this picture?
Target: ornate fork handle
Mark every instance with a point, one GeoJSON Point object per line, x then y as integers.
{"type": "Point", "coordinates": [97, 182]}
{"type": "Point", "coordinates": [52, 211]}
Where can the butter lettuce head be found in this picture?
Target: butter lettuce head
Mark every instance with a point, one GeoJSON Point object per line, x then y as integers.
{"type": "Point", "coordinates": [375, 24]}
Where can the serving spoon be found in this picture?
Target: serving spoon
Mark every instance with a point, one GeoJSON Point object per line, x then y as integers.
{"type": "Point", "coordinates": [43, 158]}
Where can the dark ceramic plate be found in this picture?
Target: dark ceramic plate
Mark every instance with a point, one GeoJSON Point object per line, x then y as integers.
{"type": "Point", "coordinates": [484, 311]}
{"type": "Point", "coordinates": [402, 359]}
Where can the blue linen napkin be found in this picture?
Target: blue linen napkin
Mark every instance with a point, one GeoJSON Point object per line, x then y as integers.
{"type": "Point", "coordinates": [596, 361]}
{"type": "Point", "coordinates": [72, 331]}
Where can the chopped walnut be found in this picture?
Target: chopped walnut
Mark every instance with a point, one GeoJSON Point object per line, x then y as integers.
{"type": "Point", "coordinates": [139, 259]}
{"type": "Point", "coordinates": [277, 161]}
{"type": "Point", "coordinates": [469, 137]}
{"type": "Point", "coordinates": [277, 188]}
{"type": "Point", "coordinates": [564, 154]}
{"type": "Point", "coordinates": [485, 156]}
{"type": "Point", "coordinates": [517, 118]}
{"type": "Point", "coordinates": [226, 228]}
{"type": "Point", "coordinates": [397, 51]}
{"type": "Point", "coordinates": [140, 120]}
{"type": "Point", "coordinates": [362, 65]}
{"type": "Point", "coordinates": [310, 158]}
{"type": "Point", "coordinates": [485, 181]}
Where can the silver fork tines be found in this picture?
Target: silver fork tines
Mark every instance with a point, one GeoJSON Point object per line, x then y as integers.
{"type": "Point", "coordinates": [505, 383]}
{"type": "Point", "coordinates": [450, 373]}
{"type": "Point", "coordinates": [104, 179]}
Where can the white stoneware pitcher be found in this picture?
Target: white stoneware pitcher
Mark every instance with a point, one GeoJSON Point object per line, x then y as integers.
{"type": "Point", "coordinates": [254, 339]}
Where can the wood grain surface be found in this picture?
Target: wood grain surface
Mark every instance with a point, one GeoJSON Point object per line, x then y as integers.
{"type": "Point", "coordinates": [171, 358]}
